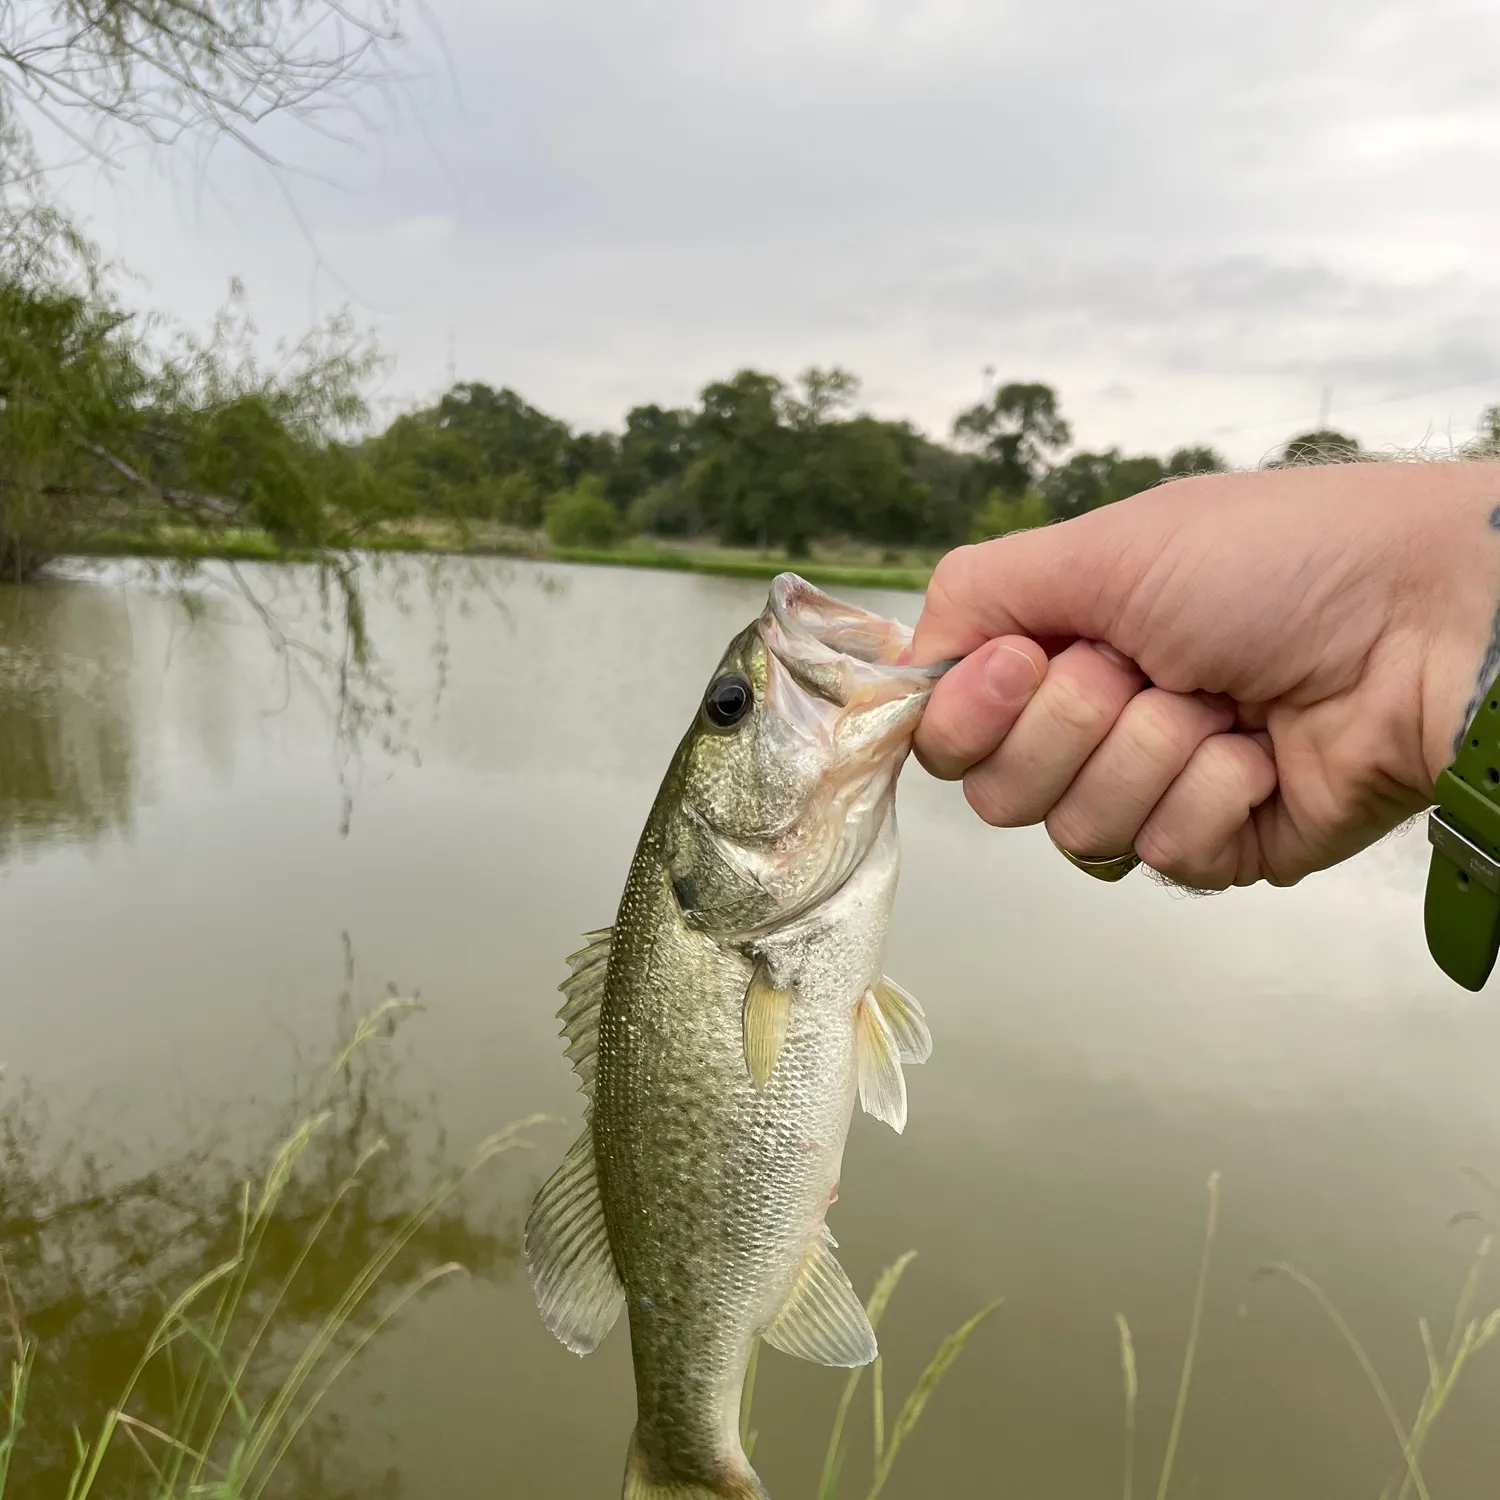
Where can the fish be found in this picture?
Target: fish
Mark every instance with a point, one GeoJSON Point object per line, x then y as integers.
{"type": "Point", "coordinates": [722, 1030]}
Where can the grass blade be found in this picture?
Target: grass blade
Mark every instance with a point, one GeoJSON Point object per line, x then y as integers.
{"type": "Point", "coordinates": [747, 1400]}
{"type": "Point", "coordinates": [1358, 1350]}
{"type": "Point", "coordinates": [1132, 1390]}
{"type": "Point", "coordinates": [1191, 1352]}
{"type": "Point", "coordinates": [885, 1287]}
{"type": "Point", "coordinates": [927, 1382]}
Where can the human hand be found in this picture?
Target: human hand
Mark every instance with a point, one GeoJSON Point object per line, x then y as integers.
{"type": "Point", "coordinates": [1240, 676]}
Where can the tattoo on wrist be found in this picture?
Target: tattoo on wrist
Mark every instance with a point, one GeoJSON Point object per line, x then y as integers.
{"type": "Point", "coordinates": [1489, 667]}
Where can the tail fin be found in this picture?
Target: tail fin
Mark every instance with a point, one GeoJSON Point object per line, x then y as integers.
{"type": "Point", "coordinates": [641, 1484]}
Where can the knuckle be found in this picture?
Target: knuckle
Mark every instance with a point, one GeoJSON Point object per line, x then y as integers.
{"type": "Point", "coordinates": [1074, 710]}
{"type": "Point", "coordinates": [1162, 852]}
{"type": "Point", "coordinates": [1181, 865]}
{"type": "Point", "coordinates": [1156, 726]}
{"type": "Point", "coordinates": [1070, 830]}
{"type": "Point", "coordinates": [938, 755]}
{"type": "Point", "coordinates": [1231, 770]}
{"type": "Point", "coordinates": [992, 803]}
{"type": "Point", "coordinates": [949, 583]}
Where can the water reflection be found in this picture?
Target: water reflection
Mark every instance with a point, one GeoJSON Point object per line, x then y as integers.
{"type": "Point", "coordinates": [94, 1251]}
{"type": "Point", "coordinates": [1098, 1051]}
{"type": "Point", "coordinates": [67, 752]}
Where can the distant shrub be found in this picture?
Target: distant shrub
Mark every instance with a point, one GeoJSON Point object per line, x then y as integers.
{"type": "Point", "coordinates": [582, 517]}
{"type": "Point", "coordinates": [1001, 514]}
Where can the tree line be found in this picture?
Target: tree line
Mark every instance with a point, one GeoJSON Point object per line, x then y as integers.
{"type": "Point", "coordinates": [108, 429]}
{"type": "Point", "coordinates": [760, 462]}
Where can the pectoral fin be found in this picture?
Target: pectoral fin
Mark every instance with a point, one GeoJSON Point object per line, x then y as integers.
{"type": "Point", "coordinates": [568, 1258]}
{"type": "Point", "coordinates": [906, 1019]}
{"type": "Point", "coordinates": [882, 1085]}
{"type": "Point", "coordinates": [822, 1320]}
{"type": "Point", "coordinates": [767, 1012]}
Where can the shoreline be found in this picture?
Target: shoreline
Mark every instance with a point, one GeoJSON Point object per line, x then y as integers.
{"type": "Point", "coordinates": [257, 547]}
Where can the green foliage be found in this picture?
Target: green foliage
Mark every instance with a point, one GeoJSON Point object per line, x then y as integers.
{"type": "Point", "coordinates": [1322, 446]}
{"type": "Point", "coordinates": [109, 421]}
{"type": "Point", "coordinates": [1015, 432]}
{"type": "Point", "coordinates": [1195, 461]}
{"type": "Point", "coordinates": [582, 517]}
{"type": "Point", "coordinates": [1086, 481]}
{"type": "Point", "coordinates": [1001, 514]}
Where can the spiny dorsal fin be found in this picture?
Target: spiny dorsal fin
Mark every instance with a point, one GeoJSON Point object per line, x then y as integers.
{"type": "Point", "coordinates": [584, 989]}
{"type": "Point", "coordinates": [568, 1258]}
{"type": "Point", "coordinates": [882, 1085]}
{"type": "Point", "coordinates": [822, 1320]}
{"type": "Point", "coordinates": [767, 1012]}
{"type": "Point", "coordinates": [905, 1017]}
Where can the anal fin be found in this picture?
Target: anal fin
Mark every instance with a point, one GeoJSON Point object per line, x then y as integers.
{"type": "Point", "coordinates": [823, 1320]}
{"type": "Point", "coordinates": [568, 1259]}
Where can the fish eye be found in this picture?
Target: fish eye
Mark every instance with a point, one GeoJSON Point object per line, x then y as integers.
{"type": "Point", "coordinates": [727, 700]}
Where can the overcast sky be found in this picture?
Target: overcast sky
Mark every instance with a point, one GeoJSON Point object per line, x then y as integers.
{"type": "Point", "coordinates": [1190, 216]}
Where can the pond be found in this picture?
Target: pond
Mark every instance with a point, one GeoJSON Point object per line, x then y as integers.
{"type": "Point", "coordinates": [201, 888]}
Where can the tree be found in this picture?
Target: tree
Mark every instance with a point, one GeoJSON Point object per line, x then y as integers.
{"type": "Point", "coordinates": [1132, 475]}
{"type": "Point", "coordinates": [1201, 460]}
{"type": "Point", "coordinates": [1082, 483]}
{"type": "Point", "coordinates": [100, 426]}
{"type": "Point", "coordinates": [1321, 446]}
{"type": "Point", "coordinates": [582, 517]}
{"type": "Point", "coordinates": [737, 477]}
{"type": "Point", "coordinates": [823, 396]}
{"type": "Point", "coordinates": [1014, 433]}
{"type": "Point", "coordinates": [1001, 514]}
{"type": "Point", "coordinates": [102, 71]}
{"type": "Point", "coordinates": [102, 429]}
{"type": "Point", "coordinates": [657, 446]}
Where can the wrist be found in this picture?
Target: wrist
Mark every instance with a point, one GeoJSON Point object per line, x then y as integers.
{"type": "Point", "coordinates": [1459, 544]}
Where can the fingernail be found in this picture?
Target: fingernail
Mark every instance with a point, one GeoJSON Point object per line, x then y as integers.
{"type": "Point", "coordinates": [1109, 653]}
{"type": "Point", "coordinates": [1010, 676]}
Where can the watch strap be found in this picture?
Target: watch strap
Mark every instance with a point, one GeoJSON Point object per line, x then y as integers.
{"type": "Point", "coordinates": [1462, 909]}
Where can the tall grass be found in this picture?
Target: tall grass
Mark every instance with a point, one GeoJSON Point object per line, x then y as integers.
{"type": "Point", "coordinates": [239, 1402]}
{"type": "Point", "coordinates": [885, 1449]}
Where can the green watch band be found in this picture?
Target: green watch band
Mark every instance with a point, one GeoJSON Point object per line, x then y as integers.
{"type": "Point", "coordinates": [1463, 884]}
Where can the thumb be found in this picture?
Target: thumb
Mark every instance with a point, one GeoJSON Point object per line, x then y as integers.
{"type": "Point", "coordinates": [1063, 581]}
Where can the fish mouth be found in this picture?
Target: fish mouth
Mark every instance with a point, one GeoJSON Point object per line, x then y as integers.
{"type": "Point", "coordinates": [839, 651]}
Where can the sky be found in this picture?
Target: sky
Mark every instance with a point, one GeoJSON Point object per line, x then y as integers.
{"type": "Point", "coordinates": [1199, 220]}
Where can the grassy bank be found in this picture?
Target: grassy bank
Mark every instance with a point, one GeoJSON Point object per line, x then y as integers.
{"type": "Point", "coordinates": [846, 567]}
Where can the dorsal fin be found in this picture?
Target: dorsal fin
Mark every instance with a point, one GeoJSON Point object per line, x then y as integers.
{"type": "Point", "coordinates": [584, 989]}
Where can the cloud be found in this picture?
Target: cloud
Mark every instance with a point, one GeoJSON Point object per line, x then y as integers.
{"type": "Point", "coordinates": [1221, 206]}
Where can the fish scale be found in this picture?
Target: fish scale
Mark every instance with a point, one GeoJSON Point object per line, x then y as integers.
{"type": "Point", "coordinates": [722, 1031]}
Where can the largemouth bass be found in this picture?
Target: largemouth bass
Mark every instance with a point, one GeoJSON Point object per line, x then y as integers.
{"type": "Point", "coordinates": [722, 1030]}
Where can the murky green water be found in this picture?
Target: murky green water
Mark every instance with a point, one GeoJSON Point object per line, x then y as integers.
{"type": "Point", "coordinates": [185, 931]}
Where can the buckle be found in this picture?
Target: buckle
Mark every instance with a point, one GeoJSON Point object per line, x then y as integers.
{"type": "Point", "coordinates": [1465, 854]}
